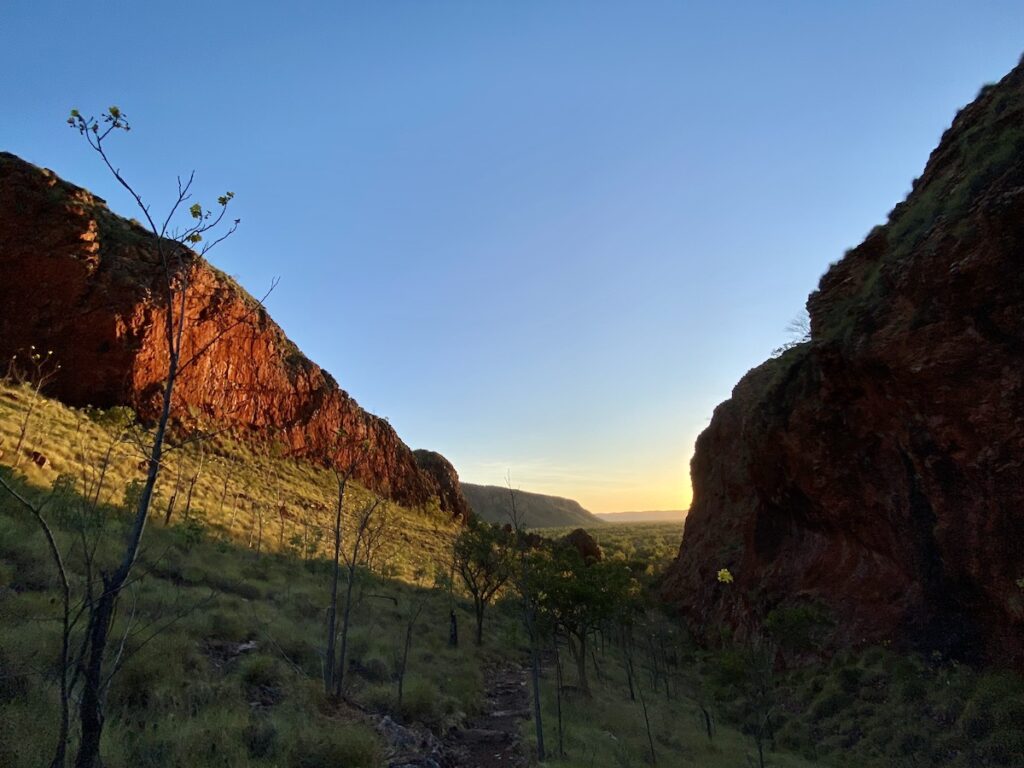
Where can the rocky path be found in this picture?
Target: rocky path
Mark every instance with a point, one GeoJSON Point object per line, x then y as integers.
{"type": "Point", "coordinates": [490, 740]}
{"type": "Point", "coordinates": [493, 738]}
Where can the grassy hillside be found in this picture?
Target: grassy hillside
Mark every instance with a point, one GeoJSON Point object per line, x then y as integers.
{"type": "Point", "coordinates": [240, 489]}
{"type": "Point", "coordinates": [536, 510]}
{"type": "Point", "coordinates": [223, 656]}
{"type": "Point", "coordinates": [224, 647]}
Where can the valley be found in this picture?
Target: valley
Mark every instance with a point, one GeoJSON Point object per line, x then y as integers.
{"type": "Point", "coordinates": [212, 555]}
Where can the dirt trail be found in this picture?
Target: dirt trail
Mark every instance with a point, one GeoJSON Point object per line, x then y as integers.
{"type": "Point", "coordinates": [493, 738]}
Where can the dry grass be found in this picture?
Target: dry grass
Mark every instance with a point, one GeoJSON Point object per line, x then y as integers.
{"type": "Point", "coordinates": [241, 487]}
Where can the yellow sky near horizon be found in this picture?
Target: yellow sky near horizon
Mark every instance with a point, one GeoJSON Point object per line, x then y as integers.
{"type": "Point", "coordinates": [663, 486]}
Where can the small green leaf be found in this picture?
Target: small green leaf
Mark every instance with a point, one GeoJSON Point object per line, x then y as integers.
{"type": "Point", "coordinates": [196, 210]}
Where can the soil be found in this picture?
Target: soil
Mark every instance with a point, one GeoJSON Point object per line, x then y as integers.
{"type": "Point", "coordinates": [493, 739]}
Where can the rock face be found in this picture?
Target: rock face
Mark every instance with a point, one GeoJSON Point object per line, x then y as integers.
{"type": "Point", "coordinates": [877, 469]}
{"type": "Point", "coordinates": [446, 480]}
{"type": "Point", "coordinates": [80, 281]}
{"type": "Point", "coordinates": [585, 544]}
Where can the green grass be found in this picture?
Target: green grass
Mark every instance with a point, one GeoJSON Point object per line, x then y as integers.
{"type": "Point", "coordinates": [187, 696]}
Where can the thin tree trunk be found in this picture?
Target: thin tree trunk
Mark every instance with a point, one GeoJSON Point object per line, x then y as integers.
{"type": "Point", "coordinates": [453, 629]}
{"type": "Point", "coordinates": [192, 482]}
{"type": "Point", "coordinates": [234, 514]}
{"type": "Point", "coordinates": [480, 607]}
{"type": "Point", "coordinates": [647, 722]}
{"type": "Point", "coordinates": [174, 494]}
{"type": "Point", "coordinates": [558, 694]}
{"type": "Point", "coordinates": [346, 616]}
{"type": "Point", "coordinates": [223, 496]}
{"type": "Point", "coordinates": [708, 723]}
{"type": "Point", "coordinates": [535, 680]}
{"type": "Point", "coordinates": [597, 667]}
{"type": "Point", "coordinates": [259, 536]}
{"type": "Point", "coordinates": [453, 621]}
{"type": "Point", "coordinates": [332, 608]}
{"type": "Point", "coordinates": [410, 626]}
{"type": "Point", "coordinates": [581, 663]}
{"type": "Point", "coordinates": [102, 613]}
{"type": "Point", "coordinates": [629, 670]}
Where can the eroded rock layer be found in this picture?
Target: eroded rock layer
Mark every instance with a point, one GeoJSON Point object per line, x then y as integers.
{"type": "Point", "coordinates": [876, 470]}
{"type": "Point", "coordinates": [84, 283]}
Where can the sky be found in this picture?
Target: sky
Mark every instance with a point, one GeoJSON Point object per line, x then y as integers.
{"type": "Point", "coordinates": [543, 238]}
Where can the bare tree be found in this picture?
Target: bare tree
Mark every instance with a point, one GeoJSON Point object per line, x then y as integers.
{"type": "Point", "coordinates": [100, 654]}
{"type": "Point", "coordinates": [643, 705]}
{"type": "Point", "coordinates": [198, 470]}
{"type": "Point", "coordinates": [798, 330]}
{"type": "Point", "coordinates": [32, 373]}
{"type": "Point", "coordinates": [174, 493]}
{"type": "Point", "coordinates": [410, 617]}
{"type": "Point", "coordinates": [342, 476]}
{"type": "Point", "coordinates": [368, 530]}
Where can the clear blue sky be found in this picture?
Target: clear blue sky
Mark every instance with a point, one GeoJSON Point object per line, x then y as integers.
{"type": "Point", "coordinates": [545, 237]}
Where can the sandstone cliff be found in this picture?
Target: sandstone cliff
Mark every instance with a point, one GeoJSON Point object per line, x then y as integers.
{"type": "Point", "coordinates": [877, 468]}
{"type": "Point", "coordinates": [79, 280]}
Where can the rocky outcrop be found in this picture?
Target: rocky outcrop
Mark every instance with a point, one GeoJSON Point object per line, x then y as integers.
{"type": "Point", "coordinates": [83, 282]}
{"type": "Point", "coordinates": [876, 470]}
{"type": "Point", "coordinates": [446, 480]}
{"type": "Point", "coordinates": [580, 540]}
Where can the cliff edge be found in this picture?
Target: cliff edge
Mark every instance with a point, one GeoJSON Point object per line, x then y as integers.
{"type": "Point", "coordinates": [81, 281]}
{"type": "Point", "coordinates": [876, 470]}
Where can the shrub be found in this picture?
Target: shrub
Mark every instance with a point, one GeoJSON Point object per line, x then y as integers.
{"type": "Point", "coordinates": [850, 678]}
{"type": "Point", "coordinates": [829, 705]}
{"type": "Point", "coordinates": [117, 417]}
{"type": "Point", "coordinates": [348, 746]}
{"type": "Point", "coordinates": [375, 669]}
{"type": "Point", "coordinates": [379, 698]}
{"type": "Point", "coordinates": [13, 686]}
{"type": "Point", "coordinates": [263, 671]}
{"type": "Point", "coordinates": [189, 533]}
{"type": "Point", "coordinates": [799, 628]}
{"type": "Point", "coordinates": [261, 738]}
{"type": "Point", "coordinates": [420, 699]}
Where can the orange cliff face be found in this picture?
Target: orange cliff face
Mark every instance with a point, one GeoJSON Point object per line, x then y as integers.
{"type": "Point", "coordinates": [878, 470]}
{"type": "Point", "coordinates": [83, 282]}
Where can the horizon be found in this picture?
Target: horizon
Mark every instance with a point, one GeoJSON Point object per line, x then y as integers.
{"type": "Point", "coordinates": [548, 244]}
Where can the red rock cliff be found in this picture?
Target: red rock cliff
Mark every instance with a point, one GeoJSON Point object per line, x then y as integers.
{"type": "Point", "coordinates": [78, 280]}
{"type": "Point", "coordinates": [877, 468]}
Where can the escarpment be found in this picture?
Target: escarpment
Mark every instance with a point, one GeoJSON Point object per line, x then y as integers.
{"type": "Point", "coordinates": [80, 281]}
{"type": "Point", "coordinates": [876, 470]}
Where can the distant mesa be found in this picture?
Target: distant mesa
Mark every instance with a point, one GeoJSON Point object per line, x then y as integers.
{"type": "Point", "coordinates": [493, 504]}
{"type": "Point", "coordinates": [80, 280]}
{"type": "Point", "coordinates": [651, 516]}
